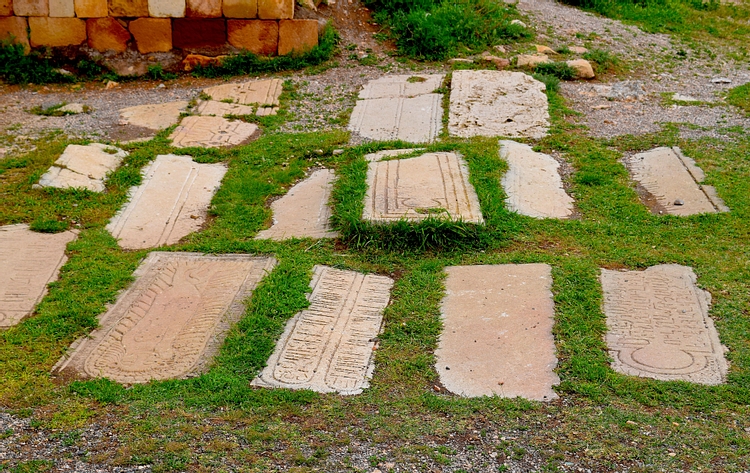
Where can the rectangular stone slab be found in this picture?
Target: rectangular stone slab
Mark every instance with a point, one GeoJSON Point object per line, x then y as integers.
{"type": "Point", "coordinates": [260, 92]}
{"type": "Point", "coordinates": [83, 167]}
{"type": "Point", "coordinates": [171, 202]}
{"type": "Point", "coordinates": [401, 86]}
{"type": "Point", "coordinates": [412, 119]}
{"type": "Point", "coordinates": [303, 212]}
{"type": "Point", "coordinates": [658, 325]}
{"type": "Point", "coordinates": [329, 346]}
{"type": "Point", "coordinates": [497, 332]}
{"type": "Point", "coordinates": [434, 184]}
{"type": "Point", "coordinates": [497, 103]}
{"type": "Point", "coordinates": [171, 321]}
{"type": "Point", "coordinates": [533, 184]}
{"type": "Point", "coordinates": [212, 132]}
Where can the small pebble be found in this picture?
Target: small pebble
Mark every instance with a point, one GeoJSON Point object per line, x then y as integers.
{"type": "Point", "coordinates": [679, 202]}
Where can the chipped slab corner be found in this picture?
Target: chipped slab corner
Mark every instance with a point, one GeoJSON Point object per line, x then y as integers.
{"type": "Point", "coordinates": [83, 167]}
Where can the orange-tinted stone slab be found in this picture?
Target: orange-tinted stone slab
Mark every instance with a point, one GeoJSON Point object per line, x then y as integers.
{"type": "Point", "coordinates": [240, 8]}
{"type": "Point", "coordinates": [107, 34]}
{"type": "Point", "coordinates": [57, 32]}
{"type": "Point", "coordinates": [91, 8]}
{"type": "Point", "coordinates": [203, 8]}
{"type": "Point", "coordinates": [257, 36]}
{"type": "Point", "coordinates": [62, 8]}
{"type": "Point", "coordinates": [276, 9]}
{"type": "Point", "coordinates": [31, 7]}
{"type": "Point", "coordinates": [6, 8]}
{"type": "Point", "coordinates": [15, 27]}
{"type": "Point", "coordinates": [128, 8]}
{"type": "Point", "coordinates": [297, 36]}
{"type": "Point", "coordinates": [152, 35]}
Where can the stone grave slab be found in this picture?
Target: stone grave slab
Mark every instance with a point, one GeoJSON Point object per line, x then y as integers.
{"type": "Point", "coordinates": [29, 261]}
{"type": "Point", "coordinates": [658, 325]}
{"type": "Point", "coordinates": [329, 346]}
{"type": "Point", "coordinates": [212, 132]}
{"type": "Point", "coordinates": [497, 332]}
{"type": "Point", "coordinates": [153, 116]}
{"type": "Point", "coordinates": [83, 166]}
{"type": "Point", "coordinates": [221, 109]}
{"type": "Point", "coordinates": [171, 321]}
{"type": "Point", "coordinates": [434, 184]}
{"type": "Point", "coordinates": [170, 203]}
{"type": "Point", "coordinates": [303, 212]}
{"type": "Point", "coordinates": [388, 153]}
{"type": "Point", "coordinates": [497, 103]}
{"type": "Point", "coordinates": [673, 180]}
{"type": "Point", "coordinates": [260, 92]}
{"type": "Point", "coordinates": [533, 183]}
{"type": "Point", "coordinates": [402, 86]}
{"type": "Point", "coordinates": [412, 119]}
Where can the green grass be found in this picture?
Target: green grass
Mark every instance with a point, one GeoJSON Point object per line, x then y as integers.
{"type": "Point", "coordinates": [740, 97]}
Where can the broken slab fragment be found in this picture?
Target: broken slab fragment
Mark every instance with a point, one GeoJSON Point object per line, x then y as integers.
{"type": "Point", "coordinates": [303, 212]}
{"type": "Point", "coordinates": [29, 261]}
{"type": "Point", "coordinates": [171, 321]}
{"type": "Point", "coordinates": [658, 325]}
{"type": "Point", "coordinates": [259, 92]}
{"type": "Point", "coordinates": [497, 103]}
{"type": "Point", "coordinates": [220, 109]}
{"type": "Point", "coordinates": [497, 332]}
{"type": "Point", "coordinates": [402, 86]}
{"type": "Point", "coordinates": [389, 153]}
{"type": "Point", "coordinates": [170, 203]}
{"type": "Point", "coordinates": [533, 184]}
{"type": "Point", "coordinates": [154, 116]}
{"type": "Point", "coordinates": [329, 347]}
{"type": "Point", "coordinates": [212, 132]}
{"type": "Point", "coordinates": [434, 184]}
{"type": "Point", "coordinates": [83, 167]}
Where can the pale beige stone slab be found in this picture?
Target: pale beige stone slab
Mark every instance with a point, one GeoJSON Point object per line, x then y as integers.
{"type": "Point", "coordinates": [497, 332]}
{"type": "Point", "coordinates": [673, 179]}
{"type": "Point", "coordinates": [222, 109]}
{"type": "Point", "coordinates": [303, 212]}
{"type": "Point", "coordinates": [659, 327]}
{"type": "Point", "coordinates": [497, 103]}
{"type": "Point", "coordinates": [62, 8]}
{"type": "Point", "coordinates": [329, 346]}
{"type": "Point", "coordinates": [260, 92]}
{"type": "Point", "coordinates": [412, 119]}
{"type": "Point", "coordinates": [83, 167]}
{"type": "Point", "coordinates": [389, 153]}
{"type": "Point", "coordinates": [153, 116]}
{"type": "Point", "coordinates": [166, 8]}
{"type": "Point", "coordinates": [401, 86]}
{"type": "Point", "coordinates": [434, 184]}
{"type": "Point", "coordinates": [170, 203]}
{"type": "Point", "coordinates": [170, 323]}
{"type": "Point", "coordinates": [29, 261]}
{"type": "Point", "coordinates": [533, 184]}
{"type": "Point", "coordinates": [212, 132]}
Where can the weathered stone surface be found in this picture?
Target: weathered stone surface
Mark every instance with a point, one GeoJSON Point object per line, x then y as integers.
{"type": "Point", "coordinates": [497, 332]}
{"type": "Point", "coordinates": [62, 8]}
{"type": "Point", "coordinates": [533, 184]}
{"type": "Point", "coordinates": [91, 8]}
{"type": "Point", "coordinates": [497, 103]}
{"type": "Point", "coordinates": [152, 35]}
{"type": "Point", "coordinates": [221, 109]}
{"type": "Point", "coordinates": [434, 184]}
{"type": "Point", "coordinates": [166, 8]}
{"type": "Point", "coordinates": [658, 325]}
{"type": "Point", "coordinates": [212, 132]}
{"type": "Point", "coordinates": [16, 27]}
{"type": "Point", "coordinates": [57, 31]}
{"type": "Point", "coordinates": [297, 36]}
{"type": "Point", "coordinates": [529, 61]}
{"type": "Point", "coordinates": [170, 322]}
{"type": "Point", "coordinates": [669, 176]}
{"type": "Point", "coordinates": [329, 346]}
{"type": "Point", "coordinates": [29, 261]}
{"type": "Point", "coordinates": [401, 86]}
{"type": "Point", "coordinates": [192, 61]}
{"type": "Point", "coordinates": [128, 8]}
{"type": "Point", "coordinates": [257, 36]}
{"type": "Point", "coordinates": [171, 202]}
{"type": "Point", "coordinates": [578, 49]}
{"type": "Point", "coordinates": [31, 7]}
{"type": "Point", "coordinates": [388, 153]}
{"type": "Point", "coordinates": [415, 119]}
{"type": "Point", "coordinates": [240, 8]}
{"type": "Point", "coordinates": [203, 8]}
{"type": "Point", "coordinates": [541, 49]}
{"type": "Point", "coordinates": [303, 212]}
{"type": "Point", "coordinates": [153, 116]}
{"type": "Point", "coordinates": [259, 92]}
{"type": "Point", "coordinates": [276, 10]}
{"type": "Point", "coordinates": [83, 166]}
{"type": "Point", "coordinates": [198, 32]}
{"type": "Point", "coordinates": [74, 108]}
{"type": "Point", "coordinates": [107, 34]}
{"type": "Point", "coordinates": [6, 8]}
{"type": "Point", "coordinates": [583, 68]}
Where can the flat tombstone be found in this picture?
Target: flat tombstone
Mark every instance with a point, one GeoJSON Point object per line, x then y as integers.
{"type": "Point", "coordinates": [170, 203]}
{"type": "Point", "coordinates": [389, 153]}
{"type": "Point", "coordinates": [658, 325]}
{"type": "Point", "coordinates": [29, 261]}
{"type": "Point", "coordinates": [83, 167]}
{"type": "Point", "coordinates": [497, 103]}
{"type": "Point", "coordinates": [171, 321]}
{"type": "Point", "coordinates": [304, 211]}
{"type": "Point", "coordinates": [533, 184]}
{"type": "Point", "coordinates": [674, 180]}
{"type": "Point", "coordinates": [434, 184]}
{"type": "Point", "coordinates": [261, 92]}
{"type": "Point", "coordinates": [212, 132]}
{"type": "Point", "coordinates": [401, 86]}
{"type": "Point", "coordinates": [154, 116]}
{"type": "Point", "coordinates": [329, 346]}
{"type": "Point", "coordinates": [412, 119]}
{"type": "Point", "coordinates": [222, 109]}
{"type": "Point", "coordinates": [497, 332]}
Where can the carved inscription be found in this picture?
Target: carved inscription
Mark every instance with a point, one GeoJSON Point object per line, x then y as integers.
{"type": "Point", "coordinates": [412, 119]}
{"type": "Point", "coordinates": [211, 132]}
{"type": "Point", "coordinates": [329, 346]}
{"type": "Point", "coordinates": [658, 325]}
{"type": "Point", "coordinates": [261, 92]}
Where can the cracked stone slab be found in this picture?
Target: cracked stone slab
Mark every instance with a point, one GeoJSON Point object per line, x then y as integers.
{"type": "Point", "coordinates": [329, 347]}
{"type": "Point", "coordinates": [303, 212]}
{"type": "Point", "coordinates": [170, 203]}
{"type": "Point", "coordinates": [260, 92]}
{"type": "Point", "coordinates": [497, 103]}
{"type": "Point", "coordinates": [153, 116]}
{"type": "Point", "coordinates": [212, 132]}
{"type": "Point", "coordinates": [29, 261]}
{"type": "Point", "coordinates": [533, 183]}
{"type": "Point", "coordinates": [402, 86]}
{"type": "Point", "coordinates": [222, 109]}
{"type": "Point", "coordinates": [497, 332]}
{"type": "Point", "coordinates": [434, 184]}
{"type": "Point", "coordinates": [171, 321]}
{"type": "Point", "coordinates": [659, 327]}
{"type": "Point", "coordinates": [673, 180]}
{"type": "Point", "coordinates": [83, 167]}
{"type": "Point", "coordinates": [412, 119]}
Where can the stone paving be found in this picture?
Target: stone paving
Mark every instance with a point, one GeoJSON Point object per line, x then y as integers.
{"type": "Point", "coordinates": [155, 117]}
{"type": "Point", "coordinates": [83, 167]}
{"type": "Point", "coordinates": [212, 132]}
{"type": "Point", "coordinates": [262, 93]}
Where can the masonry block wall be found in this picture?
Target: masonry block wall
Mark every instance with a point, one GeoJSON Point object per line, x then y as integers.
{"type": "Point", "coordinates": [265, 27]}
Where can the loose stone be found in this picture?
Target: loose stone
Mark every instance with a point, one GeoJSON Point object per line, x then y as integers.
{"type": "Point", "coordinates": [83, 167]}
{"type": "Point", "coordinates": [531, 61]}
{"type": "Point", "coordinates": [212, 132]}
